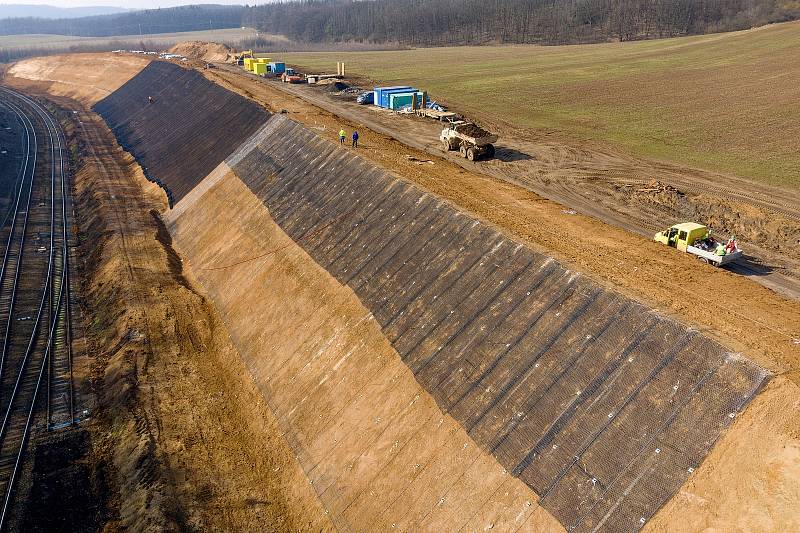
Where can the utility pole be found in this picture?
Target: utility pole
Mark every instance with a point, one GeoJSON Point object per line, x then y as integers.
{"type": "Point", "coordinates": [140, 29]}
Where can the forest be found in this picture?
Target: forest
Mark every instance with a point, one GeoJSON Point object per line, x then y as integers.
{"type": "Point", "coordinates": [447, 22]}
{"type": "Point", "coordinates": [437, 22]}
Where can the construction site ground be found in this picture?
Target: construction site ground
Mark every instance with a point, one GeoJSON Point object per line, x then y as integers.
{"type": "Point", "coordinates": [641, 196]}
{"type": "Point", "coordinates": [195, 396]}
{"type": "Point", "coordinates": [756, 320]}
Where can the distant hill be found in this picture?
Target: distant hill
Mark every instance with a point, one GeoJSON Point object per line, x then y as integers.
{"type": "Point", "coordinates": [53, 12]}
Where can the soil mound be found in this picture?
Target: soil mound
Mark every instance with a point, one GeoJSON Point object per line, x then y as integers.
{"type": "Point", "coordinates": [203, 51]}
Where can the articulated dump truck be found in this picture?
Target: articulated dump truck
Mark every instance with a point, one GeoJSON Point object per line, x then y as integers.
{"type": "Point", "coordinates": [696, 239]}
{"type": "Point", "coordinates": [472, 141]}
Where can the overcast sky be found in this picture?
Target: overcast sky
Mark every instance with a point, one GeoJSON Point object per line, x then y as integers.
{"type": "Point", "coordinates": [143, 4]}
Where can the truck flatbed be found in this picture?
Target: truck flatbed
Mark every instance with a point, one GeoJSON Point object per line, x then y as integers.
{"type": "Point", "coordinates": [713, 258]}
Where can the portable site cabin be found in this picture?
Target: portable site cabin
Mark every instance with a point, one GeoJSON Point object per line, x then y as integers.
{"type": "Point", "coordinates": [259, 68]}
{"type": "Point", "coordinates": [248, 63]}
{"type": "Point", "coordinates": [398, 100]}
{"type": "Point", "coordinates": [382, 94]}
{"type": "Point", "coordinates": [277, 67]}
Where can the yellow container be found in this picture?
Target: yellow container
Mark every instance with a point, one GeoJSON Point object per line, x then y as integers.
{"type": "Point", "coordinates": [259, 68]}
{"type": "Point", "coordinates": [263, 60]}
{"type": "Point", "coordinates": [248, 63]}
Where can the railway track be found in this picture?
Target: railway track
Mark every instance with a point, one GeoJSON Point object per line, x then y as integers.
{"type": "Point", "coordinates": [36, 381]}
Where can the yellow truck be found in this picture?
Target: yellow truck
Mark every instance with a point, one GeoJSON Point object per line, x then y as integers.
{"type": "Point", "coordinates": [696, 239]}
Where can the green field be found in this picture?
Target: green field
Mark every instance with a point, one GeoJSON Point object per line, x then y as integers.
{"type": "Point", "coordinates": [157, 39]}
{"type": "Point", "coordinates": [727, 102]}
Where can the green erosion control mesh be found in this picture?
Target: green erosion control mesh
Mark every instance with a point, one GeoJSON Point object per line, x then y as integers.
{"type": "Point", "coordinates": [177, 124]}
{"type": "Point", "coordinates": [601, 406]}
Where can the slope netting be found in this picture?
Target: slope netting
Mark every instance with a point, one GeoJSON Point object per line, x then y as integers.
{"type": "Point", "coordinates": [600, 405]}
{"type": "Point", "coordinates": [177, 124]}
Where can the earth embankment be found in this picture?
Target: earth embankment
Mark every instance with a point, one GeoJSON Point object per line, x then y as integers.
{"type": "Point", "coordinates": [581, 393]}
{"type": "Point", "coordinates": [177, 124]}
{"type": "Point", "coordinates": [428, 371]}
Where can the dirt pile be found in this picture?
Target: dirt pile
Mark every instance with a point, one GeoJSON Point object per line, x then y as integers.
{"type": "Point", "coordinates": [204, 51]}
{"type": "Point", "coordinates": [472, 130]}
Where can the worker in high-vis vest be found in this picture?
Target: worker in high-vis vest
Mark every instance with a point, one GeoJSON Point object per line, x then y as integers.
{"type": "Point", "coordinates": [342, 135]}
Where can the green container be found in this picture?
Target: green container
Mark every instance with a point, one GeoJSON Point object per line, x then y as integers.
{"type": "Point", "coordinates": [259, 68]}
{"type": "Point", "coordinates": [398, 100]}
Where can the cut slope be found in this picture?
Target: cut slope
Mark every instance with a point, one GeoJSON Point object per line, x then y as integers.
{"type": "Point", "coordinates": [599, 405]}
{"type": "Point", "coordinates": [175, 143]}
{"type": "Point", "coordinates": [87, 78]}
{"type": "Point", "coordinates": [374, 445]}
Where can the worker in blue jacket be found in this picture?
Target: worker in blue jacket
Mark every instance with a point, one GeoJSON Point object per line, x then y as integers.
{"type": "Point", "coordinates": [355, 139]}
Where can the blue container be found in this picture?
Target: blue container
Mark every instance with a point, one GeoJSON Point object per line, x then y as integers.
{"type": "Point", "coordinates": [277, 67]}
{"type": "Point", "coordinates": [380, 91]}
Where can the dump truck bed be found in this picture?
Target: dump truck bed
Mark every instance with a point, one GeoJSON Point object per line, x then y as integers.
{"type": "Point", "coordinates": [475, 134]}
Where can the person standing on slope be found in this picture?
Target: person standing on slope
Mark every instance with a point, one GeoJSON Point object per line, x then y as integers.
{"type": "Point", "coordinates": [355, 139]}
{"type": "Point", "coordinates": [342, 135]}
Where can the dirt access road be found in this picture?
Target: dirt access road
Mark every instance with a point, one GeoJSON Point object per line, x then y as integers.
{"type": "Point", "coordinates": [641, 196]}
{"type": "Point", "coordinates": [743, 315]}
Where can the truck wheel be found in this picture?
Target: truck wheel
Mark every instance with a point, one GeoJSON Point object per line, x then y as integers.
{"type": "Point", "coordinates": [463, 150]}
{"type": "Point", "coordinates": [446, 145]}
{"type": "Point", "coordinates": [489, 151]}
{"type": "Point", "coordinates": [471, 154]}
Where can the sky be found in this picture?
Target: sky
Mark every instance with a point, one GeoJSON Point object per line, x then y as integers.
{"type": "Point", "coordinates": [142, 4]}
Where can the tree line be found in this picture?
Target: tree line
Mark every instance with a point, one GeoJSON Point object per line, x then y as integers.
{"type": "Point", "coordinates": [447, 22]}
{"type": "Point", "coordinates": [437, 22]}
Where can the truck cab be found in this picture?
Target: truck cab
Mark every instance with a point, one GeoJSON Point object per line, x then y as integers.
{"type": "Point", "coordinates": [681, 236]}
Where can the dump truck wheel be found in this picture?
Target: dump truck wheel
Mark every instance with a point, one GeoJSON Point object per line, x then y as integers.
{"type": "Point", "coordinates": [471, 154]}
{"type": "Point", "coordinates": [489, 151]}
{"type": "Point", "coordinates": [446, 145]}
{"type": "Point", "coordinates": [463, 150]}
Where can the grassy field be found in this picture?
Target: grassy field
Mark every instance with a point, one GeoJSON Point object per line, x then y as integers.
{"type": "Point", "coordinates": [727, 102]}
{"type": "Point", "coordinates": [156, 39]}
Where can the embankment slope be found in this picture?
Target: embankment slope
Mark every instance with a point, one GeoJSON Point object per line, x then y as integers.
{"type": "Point", "coordinates": [579, 392]}
{"type": "Point", "coordinates": [428, 371]}
{"type": "Point", "coordinates": [87, 78]}
{"type": "Point", "coordinates": [177, 124]}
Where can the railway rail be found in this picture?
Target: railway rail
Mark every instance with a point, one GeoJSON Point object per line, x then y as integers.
{"type": "Point", "coordinates": [36, 379]}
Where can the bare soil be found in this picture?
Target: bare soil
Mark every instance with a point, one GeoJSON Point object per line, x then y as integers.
{"type": "Point", "coordinates": [187, 440]}
{"type": "Point", "coordinates": [203, 51]}
{"type": "Point", "coordinates": [740, 313]}
{"type": "Point", "coordinates": [87, 78]}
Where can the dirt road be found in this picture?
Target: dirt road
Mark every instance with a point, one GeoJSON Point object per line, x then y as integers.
{"type": "Point", "coordinates": [740, 313]}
